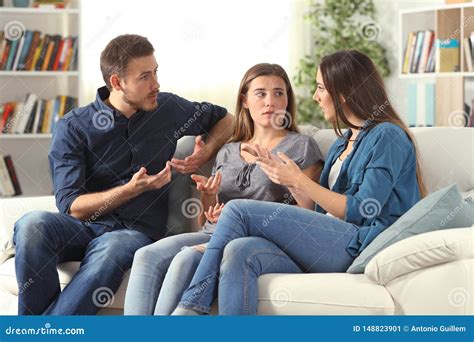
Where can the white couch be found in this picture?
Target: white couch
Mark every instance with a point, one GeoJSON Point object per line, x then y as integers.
{"type": "Point", "coordinates": [428, 274]}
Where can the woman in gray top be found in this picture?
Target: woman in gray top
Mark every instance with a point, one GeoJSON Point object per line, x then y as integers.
{"type": "Point", "coordinates": [265, 120]}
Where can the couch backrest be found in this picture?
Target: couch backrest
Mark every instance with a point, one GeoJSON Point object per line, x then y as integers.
{"type": "Point", "coordinates": [446, 158]}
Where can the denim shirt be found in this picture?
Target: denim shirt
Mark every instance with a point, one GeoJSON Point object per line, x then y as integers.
{"type": "Point", "coordinates": [378, 178]}
{"type": "Point", "coordinates": [95, 148]}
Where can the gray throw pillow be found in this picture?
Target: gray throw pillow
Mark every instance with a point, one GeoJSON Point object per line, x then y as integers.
{"type": "Point", "coordinates": [442, 209]}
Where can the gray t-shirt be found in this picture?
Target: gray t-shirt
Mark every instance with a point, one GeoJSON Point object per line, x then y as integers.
{"type": "Point", "coordinates": [246, 180]}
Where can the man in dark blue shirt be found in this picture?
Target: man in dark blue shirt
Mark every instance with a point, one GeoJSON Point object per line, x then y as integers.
{"type": "Point", "coordinates": [111, 166]}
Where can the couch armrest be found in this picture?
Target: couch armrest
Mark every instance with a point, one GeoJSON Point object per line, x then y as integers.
{"type": "Point", "coordinates": [421, 251]}
{"type": "Point", "coordinates": [11, 209]}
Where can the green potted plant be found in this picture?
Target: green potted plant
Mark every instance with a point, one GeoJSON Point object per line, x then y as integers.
{"type": "Point", "coordinates": [336, 25]}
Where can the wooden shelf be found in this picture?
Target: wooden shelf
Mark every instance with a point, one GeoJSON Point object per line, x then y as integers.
{"type": "Point", "coordinates": [39, 73]}
{"type": "Point", "coordinates": [453, 21]}
{"type": "Point", "coordinates": [437, 74]}
{"type": "Point", "coordinates": [30, 10]}
{"type": "Point", "coordinates": [26, 136]}
{"type": "Point", "coordinates": [29, 152]}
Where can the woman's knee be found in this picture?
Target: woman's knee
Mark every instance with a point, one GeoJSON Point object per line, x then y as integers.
{"type": "Point", "coordinates": [188, 258]}
{"type": "Point", "coordinates": [239, 250]}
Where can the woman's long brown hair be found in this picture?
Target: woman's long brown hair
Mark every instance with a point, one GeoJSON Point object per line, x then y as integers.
{"type": "Point", "coordinates": [352, 76]}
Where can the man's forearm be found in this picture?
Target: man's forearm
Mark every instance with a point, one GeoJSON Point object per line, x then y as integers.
{"type": "Point", "coordinates": [91, 206]}
{"type": "Point", "coordinates": [220, 133]}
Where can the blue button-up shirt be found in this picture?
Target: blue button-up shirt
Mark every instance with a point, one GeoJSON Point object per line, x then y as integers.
{"type": "Point", "coordinates": [95, 148]}
{"type": "Point", "coordinates": [378, 177]}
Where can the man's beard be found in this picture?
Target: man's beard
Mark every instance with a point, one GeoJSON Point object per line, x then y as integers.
{"type": "Point", "coordinates": [138, 105]}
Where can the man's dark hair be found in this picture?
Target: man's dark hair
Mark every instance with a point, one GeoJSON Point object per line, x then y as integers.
{"type": "Point", "coordinates": [118, 53]}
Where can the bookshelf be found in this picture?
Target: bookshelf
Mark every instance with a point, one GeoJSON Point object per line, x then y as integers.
{"type": "Point", "coordinates": [29, 152]}
{"type": "Point", "coordinates": [453, 21]}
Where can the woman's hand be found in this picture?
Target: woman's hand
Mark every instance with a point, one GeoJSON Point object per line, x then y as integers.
{"type": "Point", "coordinates": [200, 248]}
{"type": "Point", "coordinates": [213, 213]}
{"type": "Point", "coordinates": [281, 170]}
{"type": "Point", "coordinates": [208, 186]}
{"type": "Point", "coordinates": [257, 151]}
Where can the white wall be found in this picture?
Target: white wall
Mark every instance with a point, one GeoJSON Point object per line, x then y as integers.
{"type": "Point", "coordinates": [204, 47]}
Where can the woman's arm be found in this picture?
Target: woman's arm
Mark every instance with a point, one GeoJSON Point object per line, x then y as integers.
{"type": "Point", "coordinates": [209, 188]}
{"type": "Point", "coordinates": [302, 200]}
{"type": "Point", "coordinates": [333, 202]}
{"type": "Point", "coordinates": [287, 172]}
{"type": "Point", "coordinates": [207, 201]}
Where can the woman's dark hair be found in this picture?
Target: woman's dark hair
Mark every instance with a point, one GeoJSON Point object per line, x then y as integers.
{"type": "Point", "coordinates": [351, 79]}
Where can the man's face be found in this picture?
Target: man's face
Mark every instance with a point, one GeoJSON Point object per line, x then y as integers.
{"type": "Point", "coordinates": [140, 86]}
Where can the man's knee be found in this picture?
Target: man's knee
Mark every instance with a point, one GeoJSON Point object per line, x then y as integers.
{"type": "Point", "coordinates": [33, 228]}
{"type": "Point", "coordinates": [117, 248]}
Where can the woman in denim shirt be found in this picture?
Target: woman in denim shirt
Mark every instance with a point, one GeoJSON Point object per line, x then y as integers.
{"type": "Point", "coordinates": [371, 177]}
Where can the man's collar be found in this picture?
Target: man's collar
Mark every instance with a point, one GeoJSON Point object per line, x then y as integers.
{"type": "Point", "coordinates": [102, 95]}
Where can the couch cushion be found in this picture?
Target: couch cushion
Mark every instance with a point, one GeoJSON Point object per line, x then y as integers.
{"type": "Point", "coordinates": [419, 252]}
{"type": "Point", "coordinates": [442, 209]}
{"type": "Point", "coordinates": [447, 156]}
{"type": "Point", "coordinates": [66, 271]}
{"type": "Point", "coordinates": [322, 294]}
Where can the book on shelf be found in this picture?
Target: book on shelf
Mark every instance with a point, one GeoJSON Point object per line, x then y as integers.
{"type": "Point", "coordinates": [447, 59]}
{"type": "Point", "coordinates": [34, 115]}
{"type": "Point", "coordinates": [38, 52]}
{"type": "Point", "coordinates": [470, 122]}
{"type": "Point", "coordinates": [421, 104]}
{"type": "Point", "coordinates": [9, 185]}
{"type": "Point", "coordinates": [419, 53]}
{"type": "Point", "coordinates": [471, 41]}
{"type": "Point", "coordinates": [50, 4]}
{"type": "Point", "coordinates": [467, 53]}
{"type": "Point", "coordinates": [12, 174]}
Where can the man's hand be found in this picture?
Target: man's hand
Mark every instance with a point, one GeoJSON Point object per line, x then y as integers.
{"type": "Point", "coordinates": [208, 186]}
{"type": "Point", "coordinates": [213, 213]}
{"type": "Point", "coordinates": [142, 182]}
{"type": "Point", "coordinates": [193, 162]}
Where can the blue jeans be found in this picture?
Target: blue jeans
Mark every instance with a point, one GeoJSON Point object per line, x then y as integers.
{"type": "Point", "coordinates": [44, 239]}
{"type": "Point", "coordinates": [297, 240]}
{"type": "Point", "coordinates": [160, 274]}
